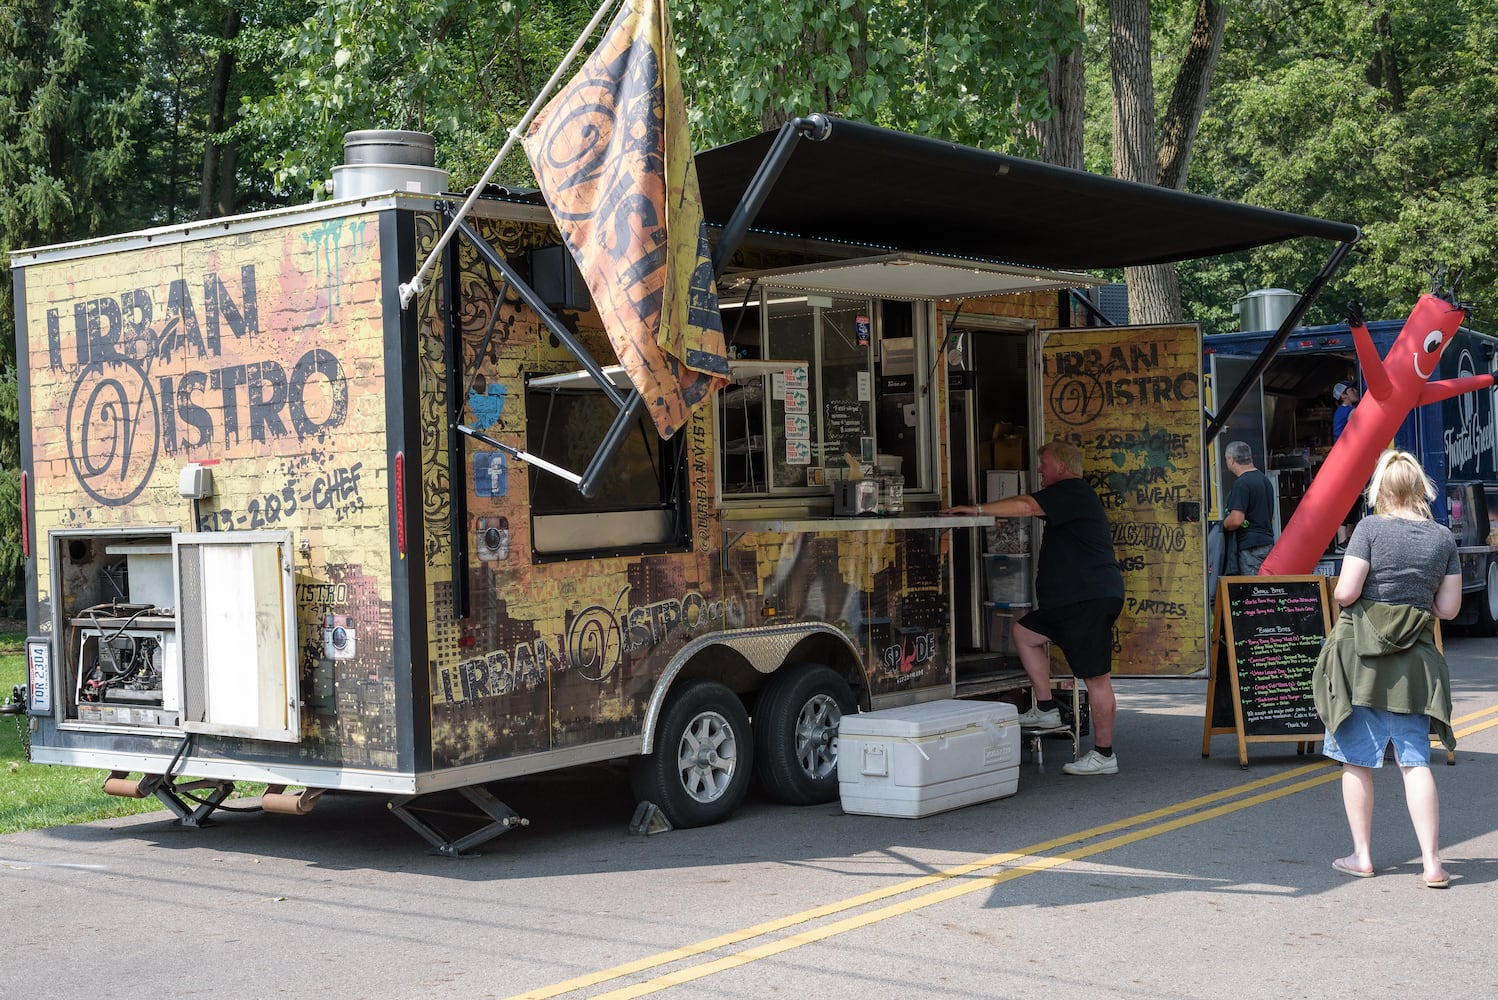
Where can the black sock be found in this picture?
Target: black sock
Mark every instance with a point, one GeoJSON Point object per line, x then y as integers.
{"type": "Point", "coordinates": [1103, 751]}
{"type": "Point", "coordinates": [1045, 704]}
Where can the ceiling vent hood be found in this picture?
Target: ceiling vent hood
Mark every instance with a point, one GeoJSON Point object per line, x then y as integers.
{"type": "Point", "coordinates": [911, 276]}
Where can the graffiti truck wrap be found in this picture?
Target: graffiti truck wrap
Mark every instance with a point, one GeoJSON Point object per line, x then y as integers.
{"type": "Point", "coordinates": [283, 529]}
{"type": "Point", "coordinates": [1129, 399]}
{"type": "Point", "coordinates": [217, 355]}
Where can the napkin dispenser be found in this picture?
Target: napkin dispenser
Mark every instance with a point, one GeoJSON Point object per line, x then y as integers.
{"type": "Point", "coordinates": [853, 497]}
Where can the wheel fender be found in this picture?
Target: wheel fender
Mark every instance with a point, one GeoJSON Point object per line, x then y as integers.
{"type": "Point", "coordinates": [765, 649]}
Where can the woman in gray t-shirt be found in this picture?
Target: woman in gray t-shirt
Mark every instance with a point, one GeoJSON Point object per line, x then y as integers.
{"type": "Point", "coordinates": [1407, 559]}
{"type": "Point", "coordinates": [1398, 557]}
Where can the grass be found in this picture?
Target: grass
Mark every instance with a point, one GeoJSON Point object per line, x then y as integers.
{"type": "Point", "coordinates": [39, 795]}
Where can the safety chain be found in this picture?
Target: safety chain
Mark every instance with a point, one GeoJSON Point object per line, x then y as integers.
{"type": "Point", "coordinates": [23, 726]}
{"type": "Point", "coordinates": [23, 721]}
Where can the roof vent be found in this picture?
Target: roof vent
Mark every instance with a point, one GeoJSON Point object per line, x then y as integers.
{"type": "Point", "coordinates": [380, 160]}
{"type": "Point", "coordinates": [1264, 309]}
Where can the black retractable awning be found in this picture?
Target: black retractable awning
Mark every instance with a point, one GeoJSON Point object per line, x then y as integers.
{"type": "Point", "coordinates": [881, 188]}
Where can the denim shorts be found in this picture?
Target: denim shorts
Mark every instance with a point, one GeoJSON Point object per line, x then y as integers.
{"type": "Point", "coordinates": [1362, 736]}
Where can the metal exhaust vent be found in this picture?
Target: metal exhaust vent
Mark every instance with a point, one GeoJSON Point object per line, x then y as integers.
{"type": "Point", "coordinates": [380, 160]}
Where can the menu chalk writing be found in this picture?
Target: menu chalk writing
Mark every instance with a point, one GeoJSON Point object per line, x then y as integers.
{"type": "Point", "coordinates": [1268, 636]}
{"type": "Point", "coordinates": [846, 422]}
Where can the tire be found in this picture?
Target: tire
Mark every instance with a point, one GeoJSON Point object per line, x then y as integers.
{"type": "Point", "coordinates": [1486, 601]}
{"type": "Point", "coordinates": [795, 734]}
{"type": "Point", "coordinates": [703, 759]}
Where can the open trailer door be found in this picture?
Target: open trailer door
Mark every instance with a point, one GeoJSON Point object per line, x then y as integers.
{"type": "Point", "coordinates": [1130, 399]}
{"type": "Point", "coordinates": [236, 602]}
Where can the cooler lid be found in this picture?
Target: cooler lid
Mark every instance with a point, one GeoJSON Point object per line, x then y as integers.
{"type": "Point", "coordinates": [933, 718]}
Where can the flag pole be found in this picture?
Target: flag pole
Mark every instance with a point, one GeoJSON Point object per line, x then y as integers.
{"type": "Point", "coordinates": [408, 290]}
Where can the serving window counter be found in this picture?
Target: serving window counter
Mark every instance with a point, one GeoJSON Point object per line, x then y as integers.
{"type": "Point", "coordinates": [826, 388]}
{"type": "Point", "coordinates": [830, 439]}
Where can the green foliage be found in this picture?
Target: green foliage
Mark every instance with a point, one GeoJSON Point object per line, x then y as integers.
{"type": "Point", "coordinates": [37, 795]}
{"type": "Point", "coordinates": [445, 67]}
{"type": "Point", "coordinates": [1304, 118]}
{"type": "Point", "coordinates": [468, 79]}
{"type": "Point", "coordinates": [40, 795]}
{"type": "Point", "coordinates": [970, 74]}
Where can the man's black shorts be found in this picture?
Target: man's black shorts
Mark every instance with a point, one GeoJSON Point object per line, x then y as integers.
{"type": "Point", "coordinates": [1083, 631]}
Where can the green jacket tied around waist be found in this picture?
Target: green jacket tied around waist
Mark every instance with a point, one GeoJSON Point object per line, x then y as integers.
{"type": "Point", "coordinates": [1383, 656]}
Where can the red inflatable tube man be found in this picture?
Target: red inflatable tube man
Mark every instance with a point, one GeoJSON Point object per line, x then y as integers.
{"type": "Point", "coordinates": [1396, 385]}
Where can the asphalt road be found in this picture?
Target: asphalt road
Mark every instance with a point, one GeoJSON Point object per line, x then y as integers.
{"type": "Point", "coordinates": [1179, 877]}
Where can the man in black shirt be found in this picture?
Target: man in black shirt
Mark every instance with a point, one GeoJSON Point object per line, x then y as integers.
{"type": "Point", "coordinates": [1250, 509]}
{"type": "Point", "coordinates": [1079, 592]}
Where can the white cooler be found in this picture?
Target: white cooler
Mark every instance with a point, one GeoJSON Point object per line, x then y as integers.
{"type": "Point", "coordinates": [922, 759]}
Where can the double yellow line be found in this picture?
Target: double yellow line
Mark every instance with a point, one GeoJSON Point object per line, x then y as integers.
{"type": "Point", "coordinates": [944, 885]}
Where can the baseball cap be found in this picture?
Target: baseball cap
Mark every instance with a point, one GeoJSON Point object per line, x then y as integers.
{"type": "Point", "coordinates": [1340, 388]}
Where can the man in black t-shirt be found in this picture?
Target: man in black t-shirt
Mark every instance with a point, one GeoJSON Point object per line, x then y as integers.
{"type": "Point", "coordinates": [1250, 509]}
{"type": "Point", "coordinates": [1079, 592]}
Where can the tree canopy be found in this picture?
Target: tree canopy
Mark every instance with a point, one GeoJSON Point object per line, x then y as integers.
{"type": "Point", "coordinates": [1383, 113]}
{"type": "Point", "coordinates": [1380, 114]}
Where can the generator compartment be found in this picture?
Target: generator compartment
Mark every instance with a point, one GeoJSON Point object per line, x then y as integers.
{"type": "Point", "coordinates": [917, 760]}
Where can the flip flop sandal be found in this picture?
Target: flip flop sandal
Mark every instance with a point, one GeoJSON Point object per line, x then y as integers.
{"type": "Point", "coordinates": [1347, 869]}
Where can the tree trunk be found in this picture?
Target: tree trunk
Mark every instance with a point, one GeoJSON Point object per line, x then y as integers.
{"type": "Point", "coordinates": [1178, 131]}
{"type": "Point", "coordinates": [1154, 293]}
{"type": "Point", "coordinates": [1060, 136]}
{"type": "Point", "coordinates": [1133, 91]}
{"type": "Point", "coordinates": [209, 196]}
{"type": "Point", "coordinates": [1388, 66]}
{"type": "Point", "coordinates": [228, 180]}
{"type": "Point", "coordinates": [827, 97]}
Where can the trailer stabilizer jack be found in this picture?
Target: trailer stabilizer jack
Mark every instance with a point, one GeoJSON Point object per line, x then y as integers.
{"type": "Point", "coordinates": [422, 819]}
{"type": "Point", "coordinates": [189, 810]}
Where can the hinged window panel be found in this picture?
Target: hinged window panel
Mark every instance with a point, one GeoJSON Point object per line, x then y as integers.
{"type": "Point", "coordinates": [237, 616]}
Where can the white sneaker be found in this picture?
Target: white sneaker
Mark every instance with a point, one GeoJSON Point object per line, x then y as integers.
{"type": "Point", "coordinates": [1092, 762]}
{"type": "Point", "coordinates": [1036, 719]}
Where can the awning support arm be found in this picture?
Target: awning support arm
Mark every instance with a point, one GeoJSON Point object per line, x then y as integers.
{"type": "Point", "coordinates": [520, 455]}
{"type": "Point", "coordinates": [1088, 306]}
{"type": "Point", "coordinates": [1250, 377]}
{"type": "Point", "coordinates": [629, 406]}
{"type": "Point", "coordinates": [815, 127]}
{"type": "Point", "coordinates": [542, 310]}
{"type": "Point", "coordinates": [629, 413]}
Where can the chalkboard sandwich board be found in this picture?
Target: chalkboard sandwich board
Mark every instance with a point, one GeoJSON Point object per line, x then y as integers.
{"type": "Point", "coordinates": [1266, 636]}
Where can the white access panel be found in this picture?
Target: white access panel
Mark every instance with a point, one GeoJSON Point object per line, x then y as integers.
{"type": "Point", "coordinates": [237, 628]}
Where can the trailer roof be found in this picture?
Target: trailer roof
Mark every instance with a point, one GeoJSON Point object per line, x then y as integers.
{"type": "Point", "coordinates": [878, 187]}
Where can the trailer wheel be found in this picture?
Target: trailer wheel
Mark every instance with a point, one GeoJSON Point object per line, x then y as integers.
{"type": "Point", "coordinates": [795, 734]}
{"type": "Point", "coordinates": [703, 759]}
{"type": "Point", "coordinates": [1487, 603]}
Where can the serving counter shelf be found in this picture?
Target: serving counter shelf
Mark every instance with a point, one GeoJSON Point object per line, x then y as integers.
{"type": "Point", "coordinates": [866, 522]}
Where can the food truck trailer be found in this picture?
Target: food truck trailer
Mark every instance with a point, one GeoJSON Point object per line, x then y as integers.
{"type": "Point", "coordinates": [281, 527]}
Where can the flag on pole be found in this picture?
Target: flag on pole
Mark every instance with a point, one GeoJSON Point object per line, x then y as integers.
{"type": "Point", "coordinates": [614, 161]}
